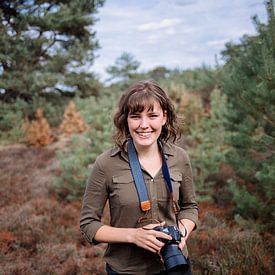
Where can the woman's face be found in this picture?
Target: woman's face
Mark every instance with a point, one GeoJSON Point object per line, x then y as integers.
{"type": "Point", "coordinates": [145, 127]}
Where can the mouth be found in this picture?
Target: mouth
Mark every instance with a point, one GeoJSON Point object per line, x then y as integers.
{"type": "Point", "coordinates": [144, 134]}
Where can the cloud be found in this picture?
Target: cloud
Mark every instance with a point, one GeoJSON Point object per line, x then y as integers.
{"type": "Point", "coordinates": [220, 42]}
{"type": "Point", "coordinates": [185, 2]}
{"type": "Point", "coordinates": [164, 24]}
{"type": "Point", "coordinates": [172, 33]}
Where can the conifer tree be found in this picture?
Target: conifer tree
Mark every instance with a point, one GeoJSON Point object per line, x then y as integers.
{"type": "Point", "coordinates": [38, 132]}
{"type": "Point", "coordinates": [73, 121]}
{"type": "Point", "coordinates": [47, 46]}
{"type": "Point", "coordinates": [125, 67]}
{"type": "Point", "coordinates": [248, 80]}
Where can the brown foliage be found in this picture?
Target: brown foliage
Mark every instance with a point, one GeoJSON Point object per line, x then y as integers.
{"type": "Point", "coordinates": [39, 234]}
{"type": "Point", "coordinates": [38, 132]}
{"type": "Point", "coordinates": [191, 108]}
{"type": "Point", "coordinates": [221, 247]}
{"type": "Point", "coordinates": [6, 238]}
{"type": "Point", "coordinates": [72, 123]}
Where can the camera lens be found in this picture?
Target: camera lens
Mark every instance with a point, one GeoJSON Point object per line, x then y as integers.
{"type": "Point", "coordinates": [174, 260]}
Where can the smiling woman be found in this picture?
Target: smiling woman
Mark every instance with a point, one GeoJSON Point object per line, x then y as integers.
{"type": "Point", "coordinates": [145, 127]}
{"type": "Point", "coordinates": [148, 182]}
{"type": "Point", "coordinates": [145, 97]}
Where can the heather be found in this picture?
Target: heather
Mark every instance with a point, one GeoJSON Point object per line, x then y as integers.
{"type": "Point", "coordinates": [51, 134]}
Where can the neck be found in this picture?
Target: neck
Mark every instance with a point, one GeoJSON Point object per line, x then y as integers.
{"type": "Point", "coordinates": [145, 151]}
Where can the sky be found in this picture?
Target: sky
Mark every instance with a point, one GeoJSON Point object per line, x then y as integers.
{"type": "Point", "coordinates": [181, 34]}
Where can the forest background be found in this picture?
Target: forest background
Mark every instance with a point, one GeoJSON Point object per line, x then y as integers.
{"type": "Point", "coordinates": [56, 117]}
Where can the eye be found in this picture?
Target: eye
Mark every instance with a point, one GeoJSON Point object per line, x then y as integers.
{"type": "Point", "coordinates": [153, 115]}
{"type": "Point", "coordinates": [134, 116]}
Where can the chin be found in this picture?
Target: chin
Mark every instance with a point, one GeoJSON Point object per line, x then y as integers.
{"type": "Point", "coordinates": [145, 142]}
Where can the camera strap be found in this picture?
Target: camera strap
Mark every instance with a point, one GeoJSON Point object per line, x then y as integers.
{"type": "Point", "coordinates": [142, 191]}
{"type": "Point", "coordinates": [139, 180]}
{"type": "Point", "coordinates": [166, 175]}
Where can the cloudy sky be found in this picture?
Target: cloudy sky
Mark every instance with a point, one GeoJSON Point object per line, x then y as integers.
{"type": "Point", "coordinates": [173, 33]}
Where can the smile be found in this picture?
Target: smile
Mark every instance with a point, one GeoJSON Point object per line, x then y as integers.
{"type": "Point", "coordinates": [144, 134]}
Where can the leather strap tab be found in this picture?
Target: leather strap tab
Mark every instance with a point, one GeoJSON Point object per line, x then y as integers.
{"type": "Point", "coordinates": [142, 191]}
{"type": "Point", "coordinates": [145, 205]}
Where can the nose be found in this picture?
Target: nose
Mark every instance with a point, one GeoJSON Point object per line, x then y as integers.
{"type": "Point", "coordinates": [143, 123]}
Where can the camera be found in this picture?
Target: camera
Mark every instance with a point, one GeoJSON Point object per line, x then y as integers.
{"type": "Point", "coordinates": [173, 258]}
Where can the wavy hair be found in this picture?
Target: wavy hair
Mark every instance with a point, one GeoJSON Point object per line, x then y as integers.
{"type": "Point", "coordinates": [140, 96]}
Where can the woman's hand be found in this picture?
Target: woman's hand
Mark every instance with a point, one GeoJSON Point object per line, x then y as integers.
{"type": "Point", "coordinates": [182, 243]}
{"type": "Point", "coordinates": [148, 238]}
{"type": "Point", "coordinates": [185, 226]}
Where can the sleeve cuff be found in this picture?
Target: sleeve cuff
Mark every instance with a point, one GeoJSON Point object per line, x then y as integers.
{"type": "Point", "coordinates": [189, 216]}
{"type": "Point", "coordinates": [89, 231]}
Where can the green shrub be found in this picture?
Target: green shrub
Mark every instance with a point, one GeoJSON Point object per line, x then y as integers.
{"type": "Point", "coordinates": [13, 115]}
{"type": "Point", "coordinates": [11, 121]}
{"type": "Point", "coordinates": [246, 204]}
{"type": "Point", "coordinates": [248, 80]}
{"type": "Point", "coordinates": [210, 147]}
{"type": "Point", "coordinates": [83, 150]}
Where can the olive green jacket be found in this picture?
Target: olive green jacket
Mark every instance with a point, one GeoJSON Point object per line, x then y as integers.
{"type": "Point", "coordinates": [111, 179]}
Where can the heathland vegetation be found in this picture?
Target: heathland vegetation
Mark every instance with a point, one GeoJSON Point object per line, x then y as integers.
{"type": "Point", "coordinates": [55, 120]}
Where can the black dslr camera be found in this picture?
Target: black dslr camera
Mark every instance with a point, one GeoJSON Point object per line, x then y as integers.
{"type": "Point", "coordinates": [173, 258]}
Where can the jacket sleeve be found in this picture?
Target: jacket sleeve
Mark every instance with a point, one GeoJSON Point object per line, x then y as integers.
{"type": "Point", "coordinates": [187, 201]}
{"type": "Point", "coordinates": [93, 203]}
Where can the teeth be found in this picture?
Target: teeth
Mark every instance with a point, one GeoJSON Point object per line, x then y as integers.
{"type": "Point", "coordinates": [144, 134]}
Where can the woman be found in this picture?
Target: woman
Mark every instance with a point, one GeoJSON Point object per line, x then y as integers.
{"type": "Point", "coordinates": [146, 119]}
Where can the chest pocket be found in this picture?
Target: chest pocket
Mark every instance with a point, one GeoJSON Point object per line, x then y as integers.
{"type": "Point", "coordinates": [163, 191]}
{"type": "Point", "coordinates": [123, 191]}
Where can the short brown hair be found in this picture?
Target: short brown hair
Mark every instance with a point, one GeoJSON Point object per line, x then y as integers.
{"type": "Point", "coordinates": [139, 96]}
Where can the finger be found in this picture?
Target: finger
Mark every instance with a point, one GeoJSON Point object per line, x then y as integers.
{"type": "Point", "coordinates": [150, 240]}
{"type": "Point", "coordinates": [161, 258]}
{"type": "Point", "coordinates": [162, 235]}
{"type": "Point", "coordinates": [182, 244]}
{"type": "Point", "coordinates": [152, 225]}
{"type": "Point", "coordinates": [158, 243]}
{"type": "Point", "coordinates": [150, 249]}
{"type": "Point", "coordinates": [154, 247]}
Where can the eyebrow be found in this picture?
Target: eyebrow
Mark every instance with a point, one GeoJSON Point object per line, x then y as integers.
{"type": "Point", "coordinates": [150, 112]}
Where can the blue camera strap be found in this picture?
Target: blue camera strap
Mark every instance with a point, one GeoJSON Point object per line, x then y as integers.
{"type": "Point", "coordinates": [166, 175]}
{"type": "Point", "coordinates": [141, 188]}
{"type": "Point", "coordinates": [142, 191]}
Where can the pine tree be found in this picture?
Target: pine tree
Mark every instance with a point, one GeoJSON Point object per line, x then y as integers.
{"type": "Point", "coordinates": [73, 122]}
{"type": "Point", "coordinates": [125, 67]}
{"type": "Point", "coordinates": [47, 47]}
{"type": "Point", "coordinates": [248, 80]}
{"type": "Point", "coordinates": [38, 132]}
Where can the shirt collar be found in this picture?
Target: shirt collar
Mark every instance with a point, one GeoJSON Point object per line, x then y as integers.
{"type": "Point", "coordinates": [167, 149]}
{"type": "Point", "coordinates": [115, 151]}
{"type": "Point", "coordinates": [119, 150]}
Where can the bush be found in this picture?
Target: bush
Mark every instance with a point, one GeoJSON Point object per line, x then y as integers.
{"type": "Point", "coordinates": [248, 80]}
{"type": "Point", "coordinates": [246, 204]}
{"type": "Point", "coordinates": [38, 132]}
{"type": "Point", "coordinates": [72, 122]}
{"type": "Point", "coordinates": [210, 147]}
{"type": "Point", "coordinates": [11, 121]}
{"type": "Point", "coordinates": [13, 116]}
{"type": "Point", "coordinates": [219, 247]}
{"type": "Point", "coordinates": [230, 251]}
{"type": "Point", "coordinates": [83, 150]}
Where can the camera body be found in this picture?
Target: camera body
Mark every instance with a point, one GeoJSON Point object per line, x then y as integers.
{"type": "Point", "coordinates": [173, 258]}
